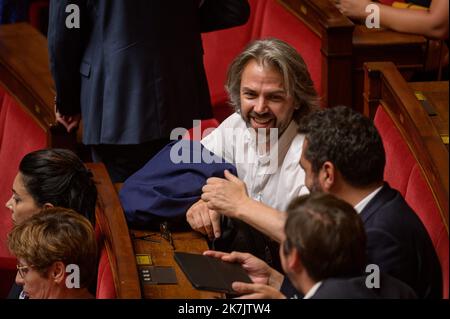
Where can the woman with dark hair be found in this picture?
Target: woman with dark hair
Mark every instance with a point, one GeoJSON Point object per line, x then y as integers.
{"type": "Point", "coordinates": [52, 177]}
{"type": "Point", "coordinates": [48, 178]}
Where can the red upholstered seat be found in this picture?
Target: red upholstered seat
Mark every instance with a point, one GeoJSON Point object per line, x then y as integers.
{"type": "Point", "coordinates": [397, 172]}
{"type": "Point", "coordinates": [38, 15]}
{"type": "Point", "coordinates": [197, 134]}
{"type": "Point", "coordinates": [267, 19]}
{"type": "Point", "coordinates": [19, 135]}
{"type": "Point", "coordinates": [403, 173]}
{"type": "Point", "coordinates": [220, 48]}
{"type": "Point", "coordinates": [105, 280]}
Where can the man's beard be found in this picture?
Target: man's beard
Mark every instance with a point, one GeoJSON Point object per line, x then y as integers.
{"type": "Point", "coordinates": [262, 118]}
{"type": "Point", "coordinates": [316, 187]}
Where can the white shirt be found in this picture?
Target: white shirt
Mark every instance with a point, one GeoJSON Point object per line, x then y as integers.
{"type": "Point", "coordinates": [23, 295]}
{"type": "Point", "coordinates": [363, 203]}
{"type": "Point", "coordinates": [311, 292]}
{"type": "Point", "coordinates": [273, 180]}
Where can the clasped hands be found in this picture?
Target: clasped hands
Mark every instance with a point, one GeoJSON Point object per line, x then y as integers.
{"type": "Point", "coordinates": [70, 122]}
{"type": "Point", "coordinates": [225, 196]}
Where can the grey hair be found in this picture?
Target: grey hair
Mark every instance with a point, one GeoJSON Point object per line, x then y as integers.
{"type": "Point", "coordinates": [284, 58]}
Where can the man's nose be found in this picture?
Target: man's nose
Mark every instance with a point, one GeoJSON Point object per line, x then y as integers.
{"type": "Point", "coordinates": [260, 106]}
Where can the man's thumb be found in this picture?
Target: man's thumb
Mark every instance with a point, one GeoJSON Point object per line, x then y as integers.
{"type": "Point", "coordinates": [231, 177]}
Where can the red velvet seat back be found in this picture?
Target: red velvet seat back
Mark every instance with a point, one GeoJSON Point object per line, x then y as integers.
{"type": "Point", "coordinates": [220, 48]}
{"type": "Point", "coordinates": [277, 22]}
{"type": "Point", "coordinates": [389, 2]}
{"type": "Point", "coordinates": [201, 132]}
{"type": "Point", "coordinates": [38, 15]}
{"type": "Point", "coordinates": [19, 135]}
{"type": "Point", "coordinates": [105, 281]}
{"type": "Point", "coordinates": [403, 173]}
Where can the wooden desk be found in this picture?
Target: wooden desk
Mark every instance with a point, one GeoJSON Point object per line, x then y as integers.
{"type": "Point", "coordinates": [162, 255]}
{"type": "Point", "coordinates": [406, 51]}
{"type": "Point", "coordinates": [436, 93]}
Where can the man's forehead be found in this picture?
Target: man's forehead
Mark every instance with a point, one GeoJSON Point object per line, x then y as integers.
{"type": "Point", "coordinates": [263, 67]}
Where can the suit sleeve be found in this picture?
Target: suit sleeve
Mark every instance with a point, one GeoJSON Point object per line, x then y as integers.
{"type": "Point", "coordinates": [66, 50]}
{"type": "Point", "coordinates": [222, 14]}
{"type": "Point", "coordinates": [386, 252]}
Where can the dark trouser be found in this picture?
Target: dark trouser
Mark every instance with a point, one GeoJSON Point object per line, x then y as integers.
{"type": "Point", "coordinates": [122, 161]}
{"type": "Point", "coordinates": [239, 236]}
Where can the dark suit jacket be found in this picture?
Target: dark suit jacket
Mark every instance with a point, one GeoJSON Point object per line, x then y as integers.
{"type": "Point", "coordinates": [355, 288]}
{"type": "Point", "coordinates": [399, 244]}
{"type": "Point", "coordinates": [135, 68]}
{"type": "Point", "coordinates": [12, 11]}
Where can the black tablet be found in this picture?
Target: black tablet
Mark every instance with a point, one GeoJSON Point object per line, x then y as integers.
{"type": "Point", "coordinates": [209, 273]}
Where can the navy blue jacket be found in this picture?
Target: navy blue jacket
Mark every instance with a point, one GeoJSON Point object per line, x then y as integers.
{"type": "Point", "coordinates": [355, 288]}
{"type": "Point", "coordinates": [168, 184]}
{"type": "Point", "coordinates": [399, 244]}
{"type": "Point", "coordinates": [134, 69]}
{"type": "Point", "coordinates": [12, 11]}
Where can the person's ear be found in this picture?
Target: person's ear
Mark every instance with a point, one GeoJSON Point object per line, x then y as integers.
{"type": "Point", "coordinates": [293, 260]}
{"type": "Point", "coordinates": [327, 176]}
{"type": "Point", "coordinates": [58, 272]}
{"type": "Point", "coordinates": [47, 206]}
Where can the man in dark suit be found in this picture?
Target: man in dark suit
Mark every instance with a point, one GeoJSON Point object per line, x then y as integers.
{"type": "Point", "coordinates": [133, 70]}
{"type": "Point", "coordinates": [355, 288]}
{"type": "Point", "coordinates": [343, 155]}
{"type": "Point", "coordinates": [323, 254]}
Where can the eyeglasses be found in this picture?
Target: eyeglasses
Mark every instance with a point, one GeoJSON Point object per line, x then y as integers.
{"type": "Point", "coordinates": [166, 234]}
{"type": "Point", "coordinates": [146, 238]}
{"type": "Point", "coordinates": [23, 270]}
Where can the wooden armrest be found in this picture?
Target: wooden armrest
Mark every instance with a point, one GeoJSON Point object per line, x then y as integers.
{"type": "Point", "coordinates": [114, 227]}
{"type": "Point", "coordinates": [317, 14]}
{"type": "Point", "coordinates": [29, 80]}
{"type": "Point", "coordinates": [364, 37]}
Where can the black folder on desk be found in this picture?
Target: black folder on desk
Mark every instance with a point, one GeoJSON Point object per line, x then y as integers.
{"type": "Point", "coordinates": [209, 273]}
